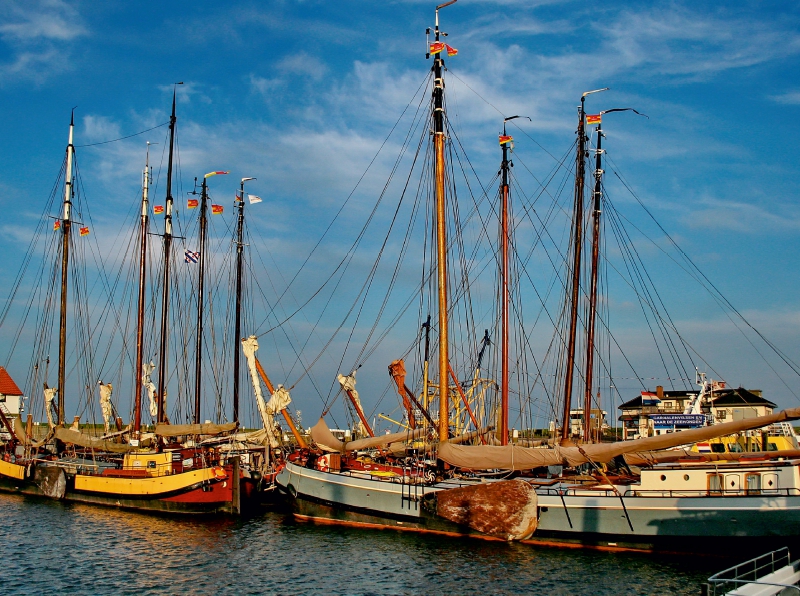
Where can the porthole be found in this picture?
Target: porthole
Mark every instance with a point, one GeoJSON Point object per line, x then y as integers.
{"type": "Point", "coordinates": [663, 477]}
{"type": "Point", "coordinates": [686, 476]}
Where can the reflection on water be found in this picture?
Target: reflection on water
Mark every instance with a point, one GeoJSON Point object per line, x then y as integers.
{"type": "Point", "coordinates": [62, 548]}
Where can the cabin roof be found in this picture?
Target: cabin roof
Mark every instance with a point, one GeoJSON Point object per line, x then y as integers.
{"type": "Point", "coordinates": [740, 397]}
{"type": "Point", "coordinates": [636, 402]}
{"type": "Point", "coordinates": [7, 384]}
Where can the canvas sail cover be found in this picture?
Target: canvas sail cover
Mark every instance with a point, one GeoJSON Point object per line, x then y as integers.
{"type": "Point", "coordinates": [348, 384]}
{"type": "Point", "coordinates": [324, 437]}
{"type": "Point", "coordinates": [22, 436]}
{"type": "Point", "coordinates": [179, 430]}
{"type": "Point", "coordinates": [49, 396]}
{"type": "Point", "coordinates": [105, 403]}
{"type": "Point", "coordinates": [147, 383]}
{"type": "Point", "coordinates": [250, 347]}
{"type": "Point", "coordinates": [511, 457]}
{"type": "Point", "coordinates": [77, 438]}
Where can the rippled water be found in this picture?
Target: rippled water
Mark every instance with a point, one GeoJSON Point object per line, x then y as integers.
{"type": "Point", "coordinates": [50, 547]}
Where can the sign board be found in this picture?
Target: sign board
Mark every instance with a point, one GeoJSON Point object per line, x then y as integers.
{"type": "Point", "coordinates": [678, 420]}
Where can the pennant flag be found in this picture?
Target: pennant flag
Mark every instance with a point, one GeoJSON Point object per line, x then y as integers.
{"type": "Point", "coordinates": [451, 51]}
{"type": "Point", "coordinates": [254, 199]}
{"type": "Point", "coordinates": [192, 204]}
{"type": "Point", "coordinates": [216, 209]}
{"type": "Point", "coordinates": [56, 225]}
{"type": "Point", "coordinates": [84, 231]}
{"type": "Point", "coordinates": [190, 257]}
{"type": "Point", "coordinates": [215, 174]}
{"type": "Point", "coordinates": [593, 118]}
{"type": "Point", "coordinates": [436, 47]}
{"type": "Point", "coordinates": [505, 139]}
{"type": "Point", "coordinates": [236, 196]}
{"type": "Point", "coordinates": [158, 209]}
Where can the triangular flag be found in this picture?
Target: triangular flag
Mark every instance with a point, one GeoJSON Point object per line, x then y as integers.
{"type": "Point", "coordinates": [451, 51]}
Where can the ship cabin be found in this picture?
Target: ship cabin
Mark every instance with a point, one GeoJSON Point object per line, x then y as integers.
{"type": "Point", "coordinates": [746, 477]}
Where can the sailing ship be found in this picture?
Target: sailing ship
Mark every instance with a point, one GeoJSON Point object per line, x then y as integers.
{"type": "Point", "coordinates": [178, 468]}
{"type": "Point", "coordinates": [563, 492]}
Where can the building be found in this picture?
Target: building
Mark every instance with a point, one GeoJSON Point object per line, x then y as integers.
{"type": "Point", "coordinates": [662, 412]}
{"type": "Point", "coordinates": [11, 403]}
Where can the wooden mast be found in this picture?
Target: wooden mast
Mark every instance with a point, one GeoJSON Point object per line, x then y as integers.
{"type": "Point", "coordinates": [598, 176]}
{"type": "Point", "coordinates": [441, 231]}
{"type": "Point", "coordinates": [137, 409]}
{"type": "Point", "coordinates": [504, 279]}
{"type": "Point", "coordinates": [198, 355]}
{"type": "Point", "coordinates": [162, 357]}
{"type": "Point", "coordinates": [65, 227]}
{"type": "Point", "coordinates": [237, 331]}
{"type": "Point", "coordinates": [575, 287]}
{"type": "Point", "coordinates": [577, 235]}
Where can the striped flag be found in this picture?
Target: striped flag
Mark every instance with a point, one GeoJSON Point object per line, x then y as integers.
{"type": "Point", "coordinates": [57, 225]}
{"type": "Point", "coordinates": [215, 174]}
{"type": "Point", "coordinates": [84, 231]}
{"type": "Point", "coordinates": [436, 47]}
{"type": "Point", "coordinates": [593, 118]}
{"type": "Point", "coordinates": [192, 203]}
{"type": "Point", "coordinates": [451, 51]}
{"type": "Point", "coordinates": [158, 209]}
{"type": "Point", "coordinates": [190, 256]}
{"type": "Point", "coordinates": [254, 199]}
{"type": "Point", "coordinates": [505, 139]}
{"type": "Point", "coordinates": [217, 209]}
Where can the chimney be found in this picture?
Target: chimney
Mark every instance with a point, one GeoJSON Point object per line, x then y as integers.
{"type": "Point", "coordinates": [660, 392]}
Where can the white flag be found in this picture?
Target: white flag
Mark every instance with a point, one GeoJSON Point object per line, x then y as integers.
{"type": "Point", "coordinates": [254, 199]}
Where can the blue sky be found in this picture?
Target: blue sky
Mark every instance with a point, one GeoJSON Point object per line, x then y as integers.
{"type": "Point", "coordinates": [300, 94]}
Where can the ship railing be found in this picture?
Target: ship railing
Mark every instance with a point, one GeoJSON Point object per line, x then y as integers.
{"type": "Point", "coordinates": [633, 492]}
{"type": "Point", "coordinates": [754, 572]}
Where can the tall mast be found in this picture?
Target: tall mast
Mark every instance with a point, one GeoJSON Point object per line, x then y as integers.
{"type": "Point", "coordinates": [65, 225]}
{"type": "Point", "coordinates": [598, 176]}
{"type": "Point", "coordinates": [441, 230]}
{"type": "Point", "coordinates": [137, 409]}
{"type": "Point", "coordinates": [577, 232]}
{"type": "Point", "coordinates": [162, 357]}
{"type": "Point", "coordinates": [504, 279]}
{"type": "Point", "coordinates": [237, 332]}
{"type": "Point", "coordinates": [198, 357]}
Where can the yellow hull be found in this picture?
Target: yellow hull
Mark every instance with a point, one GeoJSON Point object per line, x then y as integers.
{"type": "Point", "coordinates": [12, 470]}
{"type": "Point", "coordinates": [147, 487]}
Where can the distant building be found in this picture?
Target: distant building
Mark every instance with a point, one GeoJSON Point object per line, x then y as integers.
{"type": "Point", "coordinates": [662, 412]}
{"type": "Point", "coordinates": [597, 422]}
{"type": "Point", "coordinates": [10, 395]}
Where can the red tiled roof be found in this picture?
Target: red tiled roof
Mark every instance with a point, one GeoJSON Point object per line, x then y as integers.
{"type": "Point", "coordinates": [7, 384]}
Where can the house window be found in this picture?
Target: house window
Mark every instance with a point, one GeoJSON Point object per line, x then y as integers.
{"type": "Point", "coordinates": [753, 484]}
{"type": "Point", "coordinates": [722, 414]}
{"type": "Point", "coordinates": [715, 484]}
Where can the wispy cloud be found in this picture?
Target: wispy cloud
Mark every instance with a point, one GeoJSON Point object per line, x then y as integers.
{"type": "Point", "coordinates": [789, 98]}
{"type": "Point", "coordinates": [39, 35]}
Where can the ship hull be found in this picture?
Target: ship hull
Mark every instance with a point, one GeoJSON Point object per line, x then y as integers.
{"type": "Point", "coordinates": [207, 491]}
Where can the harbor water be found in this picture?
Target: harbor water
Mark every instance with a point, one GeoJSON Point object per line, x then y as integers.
{"type": "Point", "coordinates": [59, 548]}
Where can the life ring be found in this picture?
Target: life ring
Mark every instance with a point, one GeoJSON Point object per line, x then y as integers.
{"type": "Point", "coordinates": [323, 463]}
{"type": "Point", "coordinates": [220, 473]}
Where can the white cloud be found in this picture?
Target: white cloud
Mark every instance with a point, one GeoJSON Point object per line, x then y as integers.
{"type": "Point", "coordinates": [789, 98]}
{"type": "Point", "coordinates": [39, 34]}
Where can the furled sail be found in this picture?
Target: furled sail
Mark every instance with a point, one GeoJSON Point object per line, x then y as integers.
{"type": "Point", "coordinates": [105, 404]}
{"type": "Point", "coordinates": [179, 430]}
{"type": "Point", "coordinates": [49, 396]}
{"type": "Point", "coordinates": [147, 383]}
{"type": "Point", "coordinates": [281, 395]}
{"type": "Point", "coordinates": [511, 457]}
{"type": "Point", "coordinates": [279, 401]}
{"type": "Point", "coordinates": [348, 384]}
{"type": "Point", "coordinates": [82, 440]}
{"type": "Point", "coordinates": [23, 438]}
{"type": "Point", "coordinates": [324, 437]}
